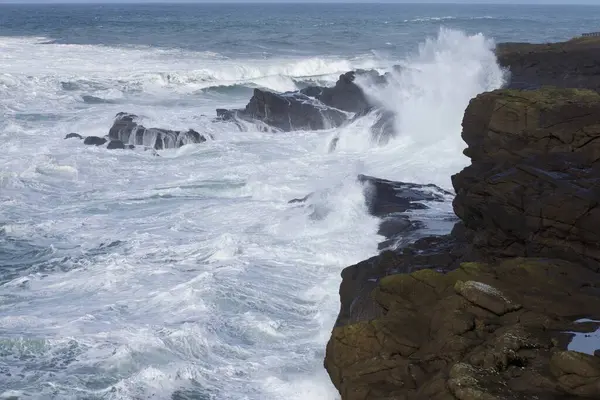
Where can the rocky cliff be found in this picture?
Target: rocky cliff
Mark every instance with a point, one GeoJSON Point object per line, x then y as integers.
{"type": "Point", "coordinates": [575, 63]}
{"type": "Point", "coordinates": [491, 310]}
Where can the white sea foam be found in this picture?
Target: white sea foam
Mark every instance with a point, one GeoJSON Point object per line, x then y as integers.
{"type": "Point", "coordinates": [191, 271]}
{"type": "Point", "coordinates": [428, 96]}
{"type": "Point", "coordinates": [35, 73]}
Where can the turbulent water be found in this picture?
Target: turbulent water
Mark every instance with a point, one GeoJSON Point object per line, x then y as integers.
{"type": "Point", "coordinates": [189, 276]}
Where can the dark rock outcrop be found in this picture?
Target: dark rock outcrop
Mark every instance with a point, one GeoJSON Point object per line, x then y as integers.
{"type": "Point", "coordinates": [480, 332]}
{"type": "Point", "coordinates": [345, 95]}
{"type": "Point", "coordinates": [533, 188]}
{"type": "Point", "coordinates": [386, 197]}
{"type": "Point", "coordinates": [488, 311]}
{"type": "Point", "coordinates": [312, 108]}
{"type": "Point", "coordinates": [286, 112]}
{"type": "Point", "coordinates": [574, 64]}
{"type": "Point", "coordinates": [117, 144]}
{"type": "Point", "coordinates": [94, 141]}
{"type": "Point", "coordinates": [127, 130]}
{"type": "Point", "coordinates": [73, 136]}
{"type": "Point", "coordinates": [392, 202]}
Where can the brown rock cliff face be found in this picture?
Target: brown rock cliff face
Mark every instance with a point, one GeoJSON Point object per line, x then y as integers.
{"type": "Point", "coordinates": [479, 332]}
{"type": "Point", "coordinates": [426, 323]}
{"type": "Point", "coordinates": [533, 187]}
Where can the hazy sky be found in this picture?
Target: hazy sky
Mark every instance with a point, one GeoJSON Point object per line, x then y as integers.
{"type": "Point", "coordinates": [592, 2]}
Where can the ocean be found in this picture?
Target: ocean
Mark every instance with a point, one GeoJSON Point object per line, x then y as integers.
{"type": "Point", "coordinates": [189, 276]}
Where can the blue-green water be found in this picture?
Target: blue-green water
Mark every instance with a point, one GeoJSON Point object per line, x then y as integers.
{"type": "Point", "coordinates": [236, 30]}
{"type": "Point", "coordinates": [189, 276]}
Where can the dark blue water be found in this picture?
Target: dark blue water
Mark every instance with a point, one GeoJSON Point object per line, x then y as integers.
{"type": "Point", "coordinates": [273, 29]}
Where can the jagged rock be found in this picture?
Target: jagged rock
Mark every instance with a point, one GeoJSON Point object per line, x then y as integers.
{"type": "Point", "coordinates": [421, 323]}
{"type": "Point", "coordinates": [127, 130]}
{"type": "Point", "coordinates": [386, 197]}
{"type": "Point", "coordinates": [289, 112]}
{"type": "Point", "coordinates": [312, 108]}
{"type": "Point", "coordinates": [532, 153]}
{"type": "Point", "coordinates": [429, 342]}
{"type": "Point", "coordinates": [74, 135]}
{"type": "Point", "coordinates": [94, 141]}
{"type": "Point", "coordinates": [575, 63]}
{"type": "Point", "coordinates": [345, 95]}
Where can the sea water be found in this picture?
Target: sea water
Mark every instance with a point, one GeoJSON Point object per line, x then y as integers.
{"type": "Point", "coordinates": [189, 276]}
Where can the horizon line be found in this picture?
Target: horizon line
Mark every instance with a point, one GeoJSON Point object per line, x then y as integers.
{"type": "Point", "coordinates": [275, 2]}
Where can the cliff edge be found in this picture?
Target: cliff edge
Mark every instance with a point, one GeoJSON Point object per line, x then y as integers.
{"type": "Point", "coordinates": [574, 63]}
{"type": "Point", "coordinates": [500, 308]}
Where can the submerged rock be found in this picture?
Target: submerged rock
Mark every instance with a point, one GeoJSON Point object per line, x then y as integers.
{"type": "Point", "coordinates": [94, 141]}
{"type": "Point", "coordinates": [74, 135]}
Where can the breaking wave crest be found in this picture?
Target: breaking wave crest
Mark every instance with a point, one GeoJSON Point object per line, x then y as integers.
{"type": "Point", "coordinates": [427, 96]}
{"type": "Point", "coordinates": [189, 275]}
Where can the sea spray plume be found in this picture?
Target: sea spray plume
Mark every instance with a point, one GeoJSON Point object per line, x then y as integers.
{"type": "Point", "coordinates": [427, 97]}
{"type": "Point", "coordinates": [431, 90]}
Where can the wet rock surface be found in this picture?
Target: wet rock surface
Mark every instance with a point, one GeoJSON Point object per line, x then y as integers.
{"type": "Point", "coordinates": [312, 108]}
{"type": "Point", "coordinates": [73, 136]}
{"type": "Point", "coordinates": [94, 141]}
{"type": "Point", "coordinates": [482, 331]}
{"type": "Point", "coordinates": [571, 64]}
{"type": "Point", "coordinates": [126, 133]}
{"type": "Point", "coordinates": [392, 202]}
{"type": "Point", "coordinates": [533, 188]}
{"type": "Point", "coordinates": [489, 311]}
{"type": "Point", "coordinates": [126, 130]}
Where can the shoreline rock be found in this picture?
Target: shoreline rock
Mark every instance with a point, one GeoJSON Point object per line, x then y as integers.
{"type": "Point", "coordinates": [391, 202]}
{"type": "Point", "coordinates": [126, 130]}
{"type": "Point", "coordinates": [482, 331]}
{"type": "Point", "coordinates": [488, 311]}
{"type": "Point", "coordinates": [571, 64]}
{"type": "Point", "coordinates": [312, 108]}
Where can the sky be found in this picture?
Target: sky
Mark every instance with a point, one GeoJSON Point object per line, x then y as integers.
{"type": "Point", "coordinates": [591, 2]}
